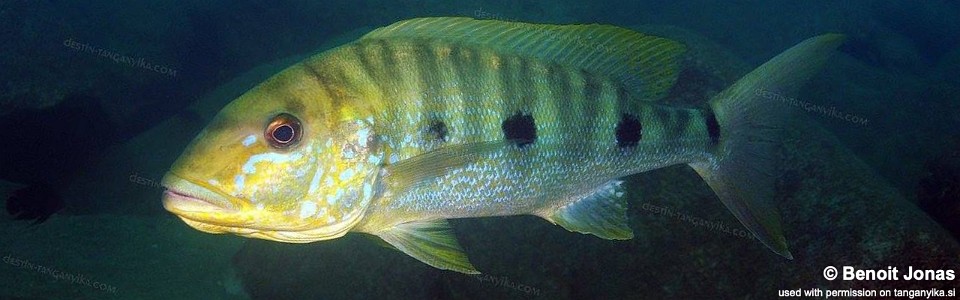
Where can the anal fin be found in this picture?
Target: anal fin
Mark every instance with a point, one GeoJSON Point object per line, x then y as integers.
{"type": "Point", "coordinates": [431, 242]}
{"type": "Point", "coordinates": [602, 213]}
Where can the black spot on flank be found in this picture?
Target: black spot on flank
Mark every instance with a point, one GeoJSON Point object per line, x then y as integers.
{"type": "Point", "coordinates": [713, 128]}
{"type": "Point", "coordinates": [437, 130]}
{"type": "Point", "coordinates": [520, 129]}
{"type": "Point", "coordinates": [629, 131]}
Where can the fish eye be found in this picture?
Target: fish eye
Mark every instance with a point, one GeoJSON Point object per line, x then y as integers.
{"type": "Point", "coordinates": [283, 131]}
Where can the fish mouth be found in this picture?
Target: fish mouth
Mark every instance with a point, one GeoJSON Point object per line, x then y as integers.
{"type": "Point", "coordinates": [186, 198]}
{"type": "Point", "coordinates": [208, 210]}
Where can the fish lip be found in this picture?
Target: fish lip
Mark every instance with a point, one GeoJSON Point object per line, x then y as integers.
{"type": "Point", "coordinates": [178, 201]}
{"type": "Point", "coordinates": [183, 197]}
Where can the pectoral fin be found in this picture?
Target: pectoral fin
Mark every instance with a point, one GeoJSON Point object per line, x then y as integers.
{"type": "Point", "coordinates": [431, 242]}
{"type": "Point", "coordinates": [602, 213]}
{"type": "Point", "coordinates": [436, 163]}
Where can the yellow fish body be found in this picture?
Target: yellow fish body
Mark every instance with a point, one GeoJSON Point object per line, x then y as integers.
{"type": "Point", "coordinates": [437, 118]}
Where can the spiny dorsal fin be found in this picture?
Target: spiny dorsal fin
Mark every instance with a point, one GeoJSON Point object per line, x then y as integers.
{"type": "Point", "coordinates": [602, 213]}
{"type": "Point", "coordinates": [431, 242]}
{"type": "Point", "coordinates": [647, 65]}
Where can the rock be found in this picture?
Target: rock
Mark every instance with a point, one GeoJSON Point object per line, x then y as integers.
{"type": "Point", "coordinates": [28, 82]}
{"type": "Point", "coordinates": [904, 113]}
{"type": "Point", "coordinates": [706, 67]}
{"type": "Point", "coordinates": [938, 193]}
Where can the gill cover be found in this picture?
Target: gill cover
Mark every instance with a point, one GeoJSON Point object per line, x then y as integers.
{"type": "Point", "coordinates": [292, 160]}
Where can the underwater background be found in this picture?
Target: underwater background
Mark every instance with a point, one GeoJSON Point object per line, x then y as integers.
{"type": "Point", "coordinates": [99, 98]}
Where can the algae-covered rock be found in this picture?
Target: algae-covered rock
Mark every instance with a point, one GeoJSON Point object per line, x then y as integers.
{"type": "Point", "coordinates": [903, 113]}
{"type": "Point", "coordinates": [938, 193]}
{"type": "Point", "coordinates": [27, 82]}
{"type": "Point", "coordinates": [123, 55]}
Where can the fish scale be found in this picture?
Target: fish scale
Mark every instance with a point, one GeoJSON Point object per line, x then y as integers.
{"type": "Point", "coordinates": [575, 112]}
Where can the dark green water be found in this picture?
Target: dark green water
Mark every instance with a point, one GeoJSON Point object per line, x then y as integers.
{"type": "Point", "coordinates": [98, 99]}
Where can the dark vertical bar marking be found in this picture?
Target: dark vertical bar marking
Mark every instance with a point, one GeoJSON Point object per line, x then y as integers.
{"type": "Point", "coordinates": [431, 84]}
{"type": "Point", "coordinates": [681, 122]}
{"type": "Point", "coordinates": [523, 84]}
{"type": "Point", "coordinates": [591, 104]}
{"type": "Point", "coordinates": [713, 127]}
{"type": "Point", "coordinates": [466, 65]}
{"type": "Point", "coordinates": [507, 74]}
{"type": "Point", "coordinates": [562, 87]}
{"type": "Point", "coordinates": [324, 83]}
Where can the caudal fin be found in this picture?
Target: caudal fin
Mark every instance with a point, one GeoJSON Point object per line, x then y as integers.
{"type": "Point", "coordinates": [741, 172]}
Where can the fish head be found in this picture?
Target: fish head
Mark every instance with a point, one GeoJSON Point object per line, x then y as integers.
{"type": "Point", "coordinates": [291, 160]}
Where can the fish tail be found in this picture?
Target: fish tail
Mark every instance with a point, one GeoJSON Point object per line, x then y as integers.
{"type": "Point", "coordinates": [744, 133]}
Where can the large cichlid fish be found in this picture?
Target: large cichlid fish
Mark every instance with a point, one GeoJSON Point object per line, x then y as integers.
{"type": "Point", "coordinates": [438, 118]}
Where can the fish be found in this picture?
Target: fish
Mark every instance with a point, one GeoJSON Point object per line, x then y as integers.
{"type": "Point", "coordinates": [431, 119]}
{"type": "Point", "coordinates": [35, 202]}
{"type": "Point", "coordinates": [46, 150]}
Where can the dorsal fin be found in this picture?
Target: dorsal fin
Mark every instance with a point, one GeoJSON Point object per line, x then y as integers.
{"type": "Point", "coordinates": [647, 65]}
